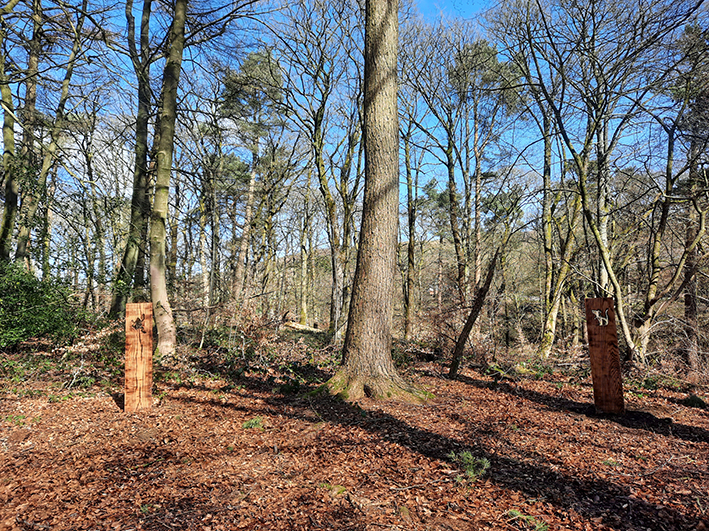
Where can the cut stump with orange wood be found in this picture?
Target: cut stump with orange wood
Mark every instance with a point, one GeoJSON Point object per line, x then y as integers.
{"type": "Point", "coordinates": [605, 358]}
{"type": "Point", "coordinates": [139, 357]}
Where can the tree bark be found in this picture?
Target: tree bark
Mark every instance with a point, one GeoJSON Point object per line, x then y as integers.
{"type": "Point", "coordinates": [30, 201]}
{"type": "Point", "coordinates": [410, 283]}
{"type": "Point", "coordinates": [368, 368]}
{"type": "Point", "coordinates": [559, 282]}
{"type": "Point", "coordinates": [158, 284]}
{"type": "Point", "coordinates": [242, 258]}
{"type": "Point", "coordinates": [9, 164]}
{"type": "Point", "coordinates": [692, 353]}
{"type": "Point", "coordinates": [7, 225]}
{"type": "Point", "coordinates": [304, 240]}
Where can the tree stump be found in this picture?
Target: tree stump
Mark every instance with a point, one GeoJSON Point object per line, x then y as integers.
{"type": "Point", "coordinates": [605, 358]}
{"type": "Point", "coordinates": [139, 357]}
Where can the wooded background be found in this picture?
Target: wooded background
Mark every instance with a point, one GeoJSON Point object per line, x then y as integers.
{"type": "Point", "coordinates": [222, 144]}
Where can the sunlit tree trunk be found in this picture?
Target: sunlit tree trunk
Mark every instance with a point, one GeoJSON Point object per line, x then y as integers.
{"type": "Point", "coordinates": [204, 273]}
{"type": "Point", "coordinates": [30, 201]}
{"type": "Point", "coordinates": [9, 216]}
{"type": "Point", "coordinates": [175, 231]}
{"type": "Point", "coordinates": [454, 216]}
{"type": "Point", "coordinates": [304, 240]}
{"type": "Point", "coordinates": [8, 160]}
{"type": "Point", "coordinates": [603, 204]}
{"type": "Point", "coordinates": [410, 283]}
{"type": "Point", "coordinates": [567, 247]}
{"type": "Point", "coordinates": [244, 244]}
{"type": "Point", "coordinates": [158, 258]}
{"type": "Point", "coordinates": [690, 269]}
{"type": "Point", "coordinates": [368, 368]}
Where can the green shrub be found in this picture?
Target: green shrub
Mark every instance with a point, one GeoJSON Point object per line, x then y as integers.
{"type": "Point", "coordinates": [30, 307]}
{"type": "Point", "coordinates": [256, 422]}
{"type": "Point", "coordinates": [475, 467]}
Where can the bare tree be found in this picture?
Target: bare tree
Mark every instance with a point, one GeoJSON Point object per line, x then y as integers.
{"type": "Point", "coordinates": [589, 61]}
{"type": "Point", "coordinates": [317, 44]}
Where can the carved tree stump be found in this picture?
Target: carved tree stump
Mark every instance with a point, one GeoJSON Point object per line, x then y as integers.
{"type": "Point", "coordinates": [605, 358]}
{"type": "Point", "coordinates": [139, 357]}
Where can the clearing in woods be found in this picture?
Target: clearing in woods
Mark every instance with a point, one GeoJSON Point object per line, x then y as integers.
{"type": "Point", "coordinates": [229, 446]}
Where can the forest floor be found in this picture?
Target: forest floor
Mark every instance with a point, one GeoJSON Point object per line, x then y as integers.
{"type": "Point", "coordinates": [229, 446]}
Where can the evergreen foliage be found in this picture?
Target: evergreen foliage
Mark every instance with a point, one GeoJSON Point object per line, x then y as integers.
{"type": "Point", "coordinates": [32, 307]}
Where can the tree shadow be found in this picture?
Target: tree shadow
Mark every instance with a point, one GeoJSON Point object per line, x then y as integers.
{"type": "Point", "coordinates": [638, 420]}
{"type": "Point", "coordinates": [596, 499]}
{"type": "Point", "coordinates": [120, 400]}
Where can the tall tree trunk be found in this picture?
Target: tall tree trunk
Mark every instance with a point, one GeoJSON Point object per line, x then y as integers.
{"type": "Point", "coordinates": [158, 284]}
{"type": "Point", "coordinates": [690, 303]}
{"type": "Point", "coordinates": [603, 207]}
{"type": "Point", "coordinates": [690, 268]}
{"type": "Point", "coordinates": [477, 222]}
{"type": "Point", "coordinates": [331, 218]}
{"type": "Point", "coordinates": [410, 284]}
{"type": "Point", "coordinates": [368, 368]}
{"type": "Point", "coordinates": [172, 275]}
{"type": "Point", "coordinates": [304, 257]}
{"type": "Point", "coordinates": [242, 258]}
{"type": "Point", "coordinates": [454, 215]}
{"type": "Point", "coordinates": [202, 246]}
{"type": "Point", "coordinates": [568, 246]}
{"type": "Point", "coordinates": [547, 220]}
{"type": "Point", "coordinates": [215, 271]}
{"type": "Point", "coordinates": [472, 318]}
{"type": "Point", "coordinates": [9, 162]}
{"type": "Point", "coordinates": [140, 205]}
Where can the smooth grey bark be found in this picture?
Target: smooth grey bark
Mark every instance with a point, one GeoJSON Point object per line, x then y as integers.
{"type": "Point", "coordinates": [168, 115]}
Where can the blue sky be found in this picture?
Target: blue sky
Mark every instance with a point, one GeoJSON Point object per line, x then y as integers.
{"type": "Point", "coordinates": [452, 8]}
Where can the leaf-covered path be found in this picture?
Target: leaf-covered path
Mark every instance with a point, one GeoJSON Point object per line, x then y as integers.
{"type": "Point", "coordinates": [217, 455]}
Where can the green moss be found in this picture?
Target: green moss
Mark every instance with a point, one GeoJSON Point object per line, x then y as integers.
{"type": "Point", "coordinates": [320, 390]}
{"type": "Point", "coordinates": [349, 387]}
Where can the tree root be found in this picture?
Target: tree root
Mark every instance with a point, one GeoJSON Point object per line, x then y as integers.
{"type": "Point", "coordinates": [380, 387]}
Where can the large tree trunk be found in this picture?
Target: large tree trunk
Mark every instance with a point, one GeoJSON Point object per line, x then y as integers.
{"type": "Point", "coordinates": [368, 368]}
{"type": "Point", "coordinates": [158, 284]}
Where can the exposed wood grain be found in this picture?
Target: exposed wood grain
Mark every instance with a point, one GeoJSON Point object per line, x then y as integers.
{"type": "Point", "coordinates": [139, 357]}
{"type": "Point", "coordinates": [605, 359]}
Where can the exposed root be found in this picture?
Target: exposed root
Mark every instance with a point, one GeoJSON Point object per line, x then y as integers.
{"type": "Point", "coordinates": [351, 388]}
